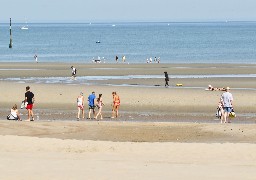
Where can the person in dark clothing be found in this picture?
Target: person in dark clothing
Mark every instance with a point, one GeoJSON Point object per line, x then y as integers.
{"type": "Point", "coordinates": [166, 79]}
{"type": "Point", "coordinates": [29, 98]}
{"type": "Point", "coordinates": [117, 59]}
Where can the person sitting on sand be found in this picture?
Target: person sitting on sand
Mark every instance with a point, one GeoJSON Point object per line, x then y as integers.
{"type": "Point", "coordinates": [211, 88]}
{"type": "Point", "coordinates": [80, 105]}
{"type": "Point", "coordinates": [116, 104]}
{"type": "Point", "coordinates": [15, 115]}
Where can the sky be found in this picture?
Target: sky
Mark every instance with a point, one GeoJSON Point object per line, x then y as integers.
{"type": "Point", "coordinates": [127, 10]}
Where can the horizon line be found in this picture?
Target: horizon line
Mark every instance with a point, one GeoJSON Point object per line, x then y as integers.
{"type": "Point", "coordinates": [120, 22]}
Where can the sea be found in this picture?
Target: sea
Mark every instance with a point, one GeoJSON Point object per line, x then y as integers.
{"type": "Point", "coordinates": [184, 42]}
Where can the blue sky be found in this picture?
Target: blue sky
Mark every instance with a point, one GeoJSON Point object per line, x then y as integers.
{"type": "Point", "coordinates": [127, 10]}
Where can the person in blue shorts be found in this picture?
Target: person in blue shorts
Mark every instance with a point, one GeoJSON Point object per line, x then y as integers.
{"type": "Point", "coordinates": [227, 104]}
{"type": "Point", "coordinates": [91, 104]}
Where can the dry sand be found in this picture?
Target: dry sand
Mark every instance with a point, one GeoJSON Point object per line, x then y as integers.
{"type": "Point", "coordinates": [126, 150]}
{"type": "Point", "coordinates": [163, 133]}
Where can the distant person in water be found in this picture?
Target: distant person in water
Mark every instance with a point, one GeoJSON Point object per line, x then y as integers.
{"type": "Point", "coordinates": [158, 60]}
{"type": "Point", "coordinates": [123, 58]}
{"type": "Point", "coordinates": [73, 76]}
{"type": "Point", "coordinates": [166, 79]}
{"type": "Point", "coordinates": [35, 57]}
{"type": "Point", "coordinates": [116, 59]}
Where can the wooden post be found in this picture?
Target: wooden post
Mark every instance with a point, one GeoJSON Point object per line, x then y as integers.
{"type": "Point", "coordinates": [10, 45]}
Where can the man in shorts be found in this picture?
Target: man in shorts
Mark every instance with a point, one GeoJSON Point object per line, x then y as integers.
{"type": "Point", "coordinates": [91, 104]}
{"type": "Point", "coordinates": [227, 104]}
{"type": "Point", "coordinates": [30, 99]}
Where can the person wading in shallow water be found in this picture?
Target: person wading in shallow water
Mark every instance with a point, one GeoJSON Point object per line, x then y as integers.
{"type": "Point", "coordinates": [73, 76]}
{"type": "Point", "coordinates": [166, 79]}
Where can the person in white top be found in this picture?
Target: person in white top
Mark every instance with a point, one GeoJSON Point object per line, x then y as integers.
{"type": "Point", "coordinates": [73, 76]}
{"type": "Point", "coordinates": [80, 105]}
{"type": "Point", "coordinates": [35, 57]}
{"type": "Point", "coordinates": [227, 104]}
{"type": "Point", "coordinates": [14, 114]}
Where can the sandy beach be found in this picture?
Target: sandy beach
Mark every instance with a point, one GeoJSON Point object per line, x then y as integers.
{"type": "Point", "coordinates": [162, 133]}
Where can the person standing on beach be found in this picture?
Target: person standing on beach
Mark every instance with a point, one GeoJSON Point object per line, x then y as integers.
{"type": "Point", "coordinates": [99, 105]}
{"type": "Point", "coordinates": [73, 76]}
{"type": "Point", "coordinates": [227, 104]}
{"type": "Point", "coordinates": [91, 104]}
{"type": "Point", "coordinates": [116, 104]}
{"type": "Point", "coordinates": [80, 105]}
{"type": "Point", "coordinates": [166, 79]}
{"type": "Point", "coordinates": [30, 99]}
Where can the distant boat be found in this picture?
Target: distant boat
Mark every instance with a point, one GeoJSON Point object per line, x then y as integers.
{"type": "Point", "coordinates": [97, 41]}
{"type": "Point", "coordinates": [24, 28]}
{"type": "Point", "coordinates": [113, 25]}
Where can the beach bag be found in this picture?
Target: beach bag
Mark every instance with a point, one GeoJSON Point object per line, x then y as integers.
{"type": "Point", "coordinates": [232, 114]}
{"type": "Point", "coordinates": [23, 105]}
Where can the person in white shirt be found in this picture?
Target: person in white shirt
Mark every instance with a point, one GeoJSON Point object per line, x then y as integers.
{"type": "Point", "coordinates": [227, 104]}
{"type": "Point", "coordinates": [80, 105]}
{"type": "Point", "coordinates": [73, 72]}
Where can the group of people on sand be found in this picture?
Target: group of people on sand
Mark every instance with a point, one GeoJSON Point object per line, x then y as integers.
{"type": "Point", "coordinates": [225, 110]}
{"type": "Point", "coordinates": [94, 102]}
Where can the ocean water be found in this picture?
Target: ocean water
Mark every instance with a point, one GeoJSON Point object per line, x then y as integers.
{"type": "Point", "coordinates": [218, 42]}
